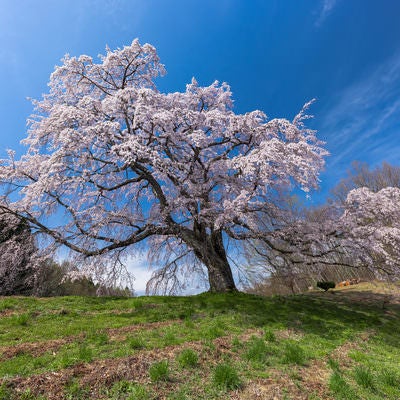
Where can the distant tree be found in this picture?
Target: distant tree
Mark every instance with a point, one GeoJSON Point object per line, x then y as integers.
{"type": "Point", "coordinates": [370, 201]}
{"type": "Point", "coordinates": [17, 247]}
{"type": "Point", "coordinates": [360, 175]}
{"type": "Point", "coordinates": [64, 279]}
{"type": "Point", "coordinates": [372, 223]}
{"type": "Point", "coordinates": [127, 164]}
{"type": "Point", "coordinates": [356, 235]}
{"type": "Point", "coordinates": [48, 279]}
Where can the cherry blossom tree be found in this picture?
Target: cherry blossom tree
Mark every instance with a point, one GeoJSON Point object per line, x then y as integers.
{"type": "Point", "coordinates": [372, 220]}
{"type": "Point", "coordinates": [120, 163]}
{"type": "Point", "coordinates": [17, 248]}
{"type": "Point", "coordinates": [355, 238]}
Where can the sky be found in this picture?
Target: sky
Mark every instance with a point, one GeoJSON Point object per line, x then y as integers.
{"type": "Point", "coordinates": [276, 55]}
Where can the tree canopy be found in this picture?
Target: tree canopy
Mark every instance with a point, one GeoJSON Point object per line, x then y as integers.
{"type": "Point", "coordinates": [123, 163]}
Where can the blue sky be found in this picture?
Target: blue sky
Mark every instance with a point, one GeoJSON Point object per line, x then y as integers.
{"type": "Point", "coordinates": [275, 54]}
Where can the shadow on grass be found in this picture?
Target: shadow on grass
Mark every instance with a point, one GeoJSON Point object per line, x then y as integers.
{"type": "Point", "coordinates": [327, 315]}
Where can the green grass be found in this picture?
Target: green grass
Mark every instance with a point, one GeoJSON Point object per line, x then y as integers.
{"type": "Point", "coordinates": [249, 337]}
{"type": "Point", "coordinates": [127, 390]}
{"type": "Point", "coordinates": [188, 358]}
{"type": "Point", "coordinates": [340, 389]}
{"type": "Point", "coordinates": [269, 335]}
{"type": "Point", "coordinates": [294, 354]}
{"type": "Point", "coordinates": [257, 350]}
{"type": "Point", "coordinates": [226, 377]}
{"type": "Point", "coordinates": [159, 371]}
{"type": "Point", "coordinates": [137, 342]}
{"type": "Point", "coordinates": [364, 377]}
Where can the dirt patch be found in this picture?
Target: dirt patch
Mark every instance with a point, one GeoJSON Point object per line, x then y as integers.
{"type": "Point", "coordinates": [302, 381]}
{"type": "Point", "coordinates": [97, 374]}
{"type": "Point", "coordinates": [38, 348]}
{"type": "Point", "coordinates": [119, 334]}
{"type": "Point", "coordinates": [341, 353]}
{"type": "Point", "coordinates": [35, 349]}
{"type": "Point", "coordinates": [289, 334]}
{"type": "Point", "coordinates": [100, 373]}
{"type": "Point", "coordinates": [7, 312]}
{"type": "Point", "coordinates": [299, 384]}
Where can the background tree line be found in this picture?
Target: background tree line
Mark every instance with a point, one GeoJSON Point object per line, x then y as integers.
{"type": "Point", "coordinates": [23, 272]}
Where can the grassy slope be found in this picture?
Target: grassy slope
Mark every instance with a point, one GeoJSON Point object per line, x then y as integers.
{"type": "Point", "coordinates": [342, 345]}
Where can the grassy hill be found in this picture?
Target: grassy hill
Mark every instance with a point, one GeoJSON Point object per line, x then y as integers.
{"type": "Point", "coordinates": [339, 345]}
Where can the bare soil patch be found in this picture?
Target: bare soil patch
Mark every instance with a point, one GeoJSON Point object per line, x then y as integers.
{"type": "Point", "coordinates": [38, 348]}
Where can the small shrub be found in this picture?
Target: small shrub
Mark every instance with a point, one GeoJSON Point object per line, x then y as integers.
{"type": "Point", "coordinates": [159, 371]}
{"type": "Point", "coordinates": [98, 337]}
{"type": "Point", "coordinates": [364, 377]}
{"type": "Point", "coordinates": [189, 323]}
{"type": "Point", "coordinates": [67, 358]}
{"type": "Point", "coordinates": [215, 331]}
{"type": "Point", "coordinates": [188, 358]}
{"type": "Point", "coordinates": [225, 377]}
{"type": "Point", "coordinates": [294, 354]}
{"type": "Point", "coordinates": [120, 387]}
{"type": "Point", "coordinates": [326, 285]}
{"type": "Point", "coordinates": [138, 392]}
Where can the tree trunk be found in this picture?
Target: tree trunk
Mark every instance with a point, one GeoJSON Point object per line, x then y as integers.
{"type": "Point", "coordinates": [209, 249]}
{"type": "Point", "coordinates": [220, 276]}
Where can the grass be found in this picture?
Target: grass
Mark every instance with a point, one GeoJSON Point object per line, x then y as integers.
{"type": "Point", "coordinates": [137, 342]}
{"type": "Point", "coordinates": [364, 377]}
{"type": "Point", "coordinates": [294, 354]}
{"type": "Point", "coordinates": [340, 388]}
{"type": "Point", "coordinates": [269, 335]}
{"type": "Point", "coordinates": [188, 359]}
{"type": "Point", "coordinates": [225, 377]}
{"type": "Point", "coordinates": [127, 390]}
{"type": "Point", "coordinates": [200, 347]}
{"type": "Point", "coordinates": [159, 371]}
{"type": "Point", "coordinates": [257, 350]}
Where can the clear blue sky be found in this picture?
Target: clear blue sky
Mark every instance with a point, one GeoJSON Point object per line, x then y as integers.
{"type": "Point", "coordinates": [275, 54]}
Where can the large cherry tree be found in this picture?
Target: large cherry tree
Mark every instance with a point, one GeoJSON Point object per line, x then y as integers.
{"type": "Point", "coordinates": [112, 162]}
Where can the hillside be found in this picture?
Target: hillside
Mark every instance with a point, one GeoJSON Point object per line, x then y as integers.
{"type": "Point", "coordinates": [339, 345]}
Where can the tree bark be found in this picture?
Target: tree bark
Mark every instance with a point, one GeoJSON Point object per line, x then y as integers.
{"type": "Point", "coordinates": [210, 250]}
{"type": "Point", "coordinates": [220, 276]}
